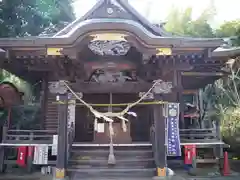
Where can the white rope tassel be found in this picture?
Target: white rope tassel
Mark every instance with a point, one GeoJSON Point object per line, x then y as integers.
{"type": "Point", "coordinates": [111, 156]}
{"type": "Point", "coordinates": [124, 126]}
{"type": "Point", "coordinates": [123, 123]}
{"type": "Point", "coordinates": [95, 124]}
{"type": "Point", "coordinates": [111, 132]}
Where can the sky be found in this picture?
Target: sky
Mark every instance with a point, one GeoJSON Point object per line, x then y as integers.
{"type": "Point", "coordinates": [157, 10]}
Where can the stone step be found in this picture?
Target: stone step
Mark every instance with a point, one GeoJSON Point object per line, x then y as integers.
{"type": "Point", "coordinates": [51, 129]}
{"type": "Point", "coordinates": [51, 122]}
{"type": "Point", "coordinates": [103, 163]}
{"type": "Point", "coordinates": [123, 147]}
{"type": "Point", "coordinates": [92, 161]}
{"type": "Point", "coordinates": [51, 118]}
{"type": "Point", "coordinates": [51, 125]}
{"type": "Point", "coordinates": [114, 173]}
{"type": "Point", "coordinates": [117, 152]}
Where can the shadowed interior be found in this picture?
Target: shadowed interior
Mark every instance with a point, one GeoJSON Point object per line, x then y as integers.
{"type": "Point", "coordinates": [139, 126]}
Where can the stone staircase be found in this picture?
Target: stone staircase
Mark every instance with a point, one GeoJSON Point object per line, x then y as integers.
{"type": "Point", "coordinates": [92, 163]}
{"type": "Point", "coordinates": [51, 121]}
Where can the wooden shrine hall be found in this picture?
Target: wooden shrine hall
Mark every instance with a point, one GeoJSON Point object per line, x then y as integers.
{"type": "Point", "coordinates": [95, 68]}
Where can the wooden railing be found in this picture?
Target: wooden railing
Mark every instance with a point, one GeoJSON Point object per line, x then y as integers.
{"type": "Point", "coordinates": [198, 135]}
{"type": "Point", "coordinates": [46, 136]}
{"type": "Point", "coordinates": [29, 136]}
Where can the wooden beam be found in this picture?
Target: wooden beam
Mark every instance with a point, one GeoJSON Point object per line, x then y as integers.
{"type": "Point", "coordinates": [127, 87]}
{"type": "Point", "coordinates": [190, 91]}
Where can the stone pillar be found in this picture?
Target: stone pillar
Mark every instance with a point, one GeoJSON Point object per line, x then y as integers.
{"type": "Point", "coordinates": [62, 97]}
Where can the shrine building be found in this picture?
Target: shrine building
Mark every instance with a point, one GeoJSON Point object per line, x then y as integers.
{"type": "Point", "coordinates": [93, 74]}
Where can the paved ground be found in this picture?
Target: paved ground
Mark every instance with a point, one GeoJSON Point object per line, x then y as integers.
{"type": "Point", "coordinates": [37, 176]}
{"type": "Point", "coordinates": [206, 174]}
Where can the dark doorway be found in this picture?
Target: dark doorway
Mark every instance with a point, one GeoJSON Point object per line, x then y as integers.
{"type": "Point", "coordinates": [139, 126]}
{"type": "Point", "coordinates": [84, 122]}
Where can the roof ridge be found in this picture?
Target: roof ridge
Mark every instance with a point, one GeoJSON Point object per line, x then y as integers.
{"type": "Point", "coordinates": [78, 20]}
{"type": "Point", "coordinates": [159, 31]}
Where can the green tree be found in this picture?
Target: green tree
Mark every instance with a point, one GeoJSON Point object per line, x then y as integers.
{"type": "Point", "coordinates": [230, 29]}
{"type": "Point", "coordinates": [32, 17]}
{"type": "Point", "coordinates": [19, 18]}
{"type": "Point", "coordinates": [178, 22]}
{"type": "Point", "coordinates": [181, 22]}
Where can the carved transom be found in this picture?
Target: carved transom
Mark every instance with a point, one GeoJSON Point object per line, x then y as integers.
{"type": "Point", "coordinates": [102, 76]}
{"type": "Point", "coordinates": [113, 48]}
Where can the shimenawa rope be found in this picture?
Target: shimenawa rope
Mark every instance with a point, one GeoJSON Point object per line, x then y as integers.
{"type": "Point", "coordinates": [105, 116]}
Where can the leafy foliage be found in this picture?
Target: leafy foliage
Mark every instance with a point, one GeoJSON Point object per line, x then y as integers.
{"type": "Point", "coordinates": [20, 18]}
{"type": "Point", "coordinates": [224, 104]}
{"type": "Point", "coordinates": [32, 17]}
{"type": "Point", "coordinates": [181, 23]}
{"type": "Point", "coordinates": [230, 29]}
{"type": "Point", "coordinates": [26, 117]}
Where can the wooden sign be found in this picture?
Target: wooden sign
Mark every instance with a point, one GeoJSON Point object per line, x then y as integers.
{"type": "Point", "coordinates": [109, 37]}
{"type": "Point", "coordinates": [40, 155]}
{"type": "Point", "coordinates": [55, 144]}
{"type": "Point", "coordinates": [100, 127]}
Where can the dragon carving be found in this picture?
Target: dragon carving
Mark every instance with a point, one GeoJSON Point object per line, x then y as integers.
{"type": "Point", "coordinates": [102, 76]}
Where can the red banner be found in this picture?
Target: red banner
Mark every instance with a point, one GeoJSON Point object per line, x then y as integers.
{"type": "Point", "coordinates": [22, 153]}
{"type": "Point", "coordinates": [189, 152]}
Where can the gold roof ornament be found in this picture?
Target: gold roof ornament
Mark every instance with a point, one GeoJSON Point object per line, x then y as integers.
{"type": "Point", "coordinates": [108, 37]}
{"type": "Point", "coordinates": [54, 51]}
{"type": "Point", "coordinates": [163, 51]}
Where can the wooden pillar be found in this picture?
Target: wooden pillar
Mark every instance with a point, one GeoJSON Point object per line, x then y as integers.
{"type": "Point", "coordinates": [2, 153]}
{"type": "Point", "coordinates": [160, 138]}
{"type": "Point", "coordinates": [60, 90]}
{"type": "Point", "coordinates": [62, 138]}
{"type": "Point", "coordinates": [44, 98]}
{"type": "Point", "coordinates": [219, 148]}
{"type": "Point", "coordinates": [180, 99]}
